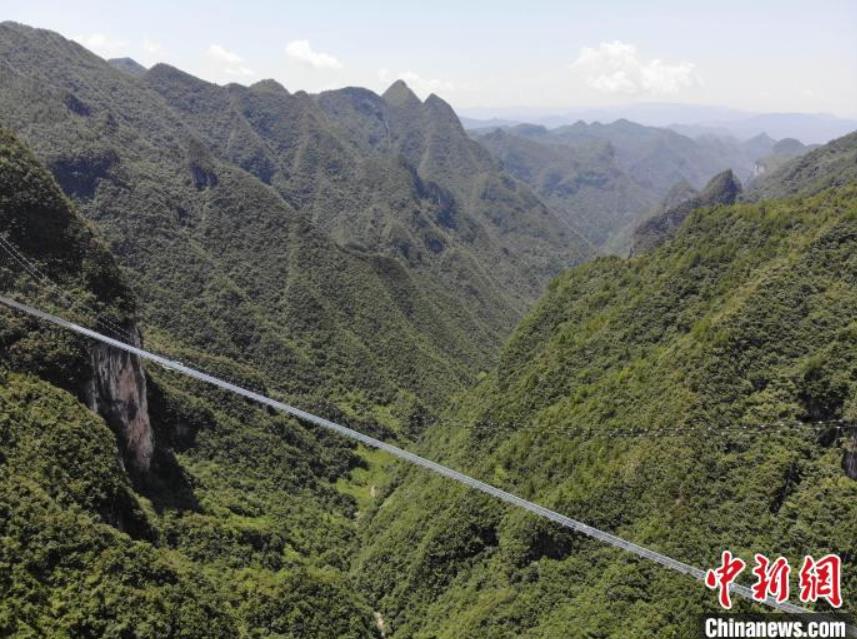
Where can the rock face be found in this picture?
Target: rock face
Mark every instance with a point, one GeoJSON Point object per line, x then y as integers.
{"type": "Point", "coordinates": [849, 459]}
{"type": "Point", "coordinates": [38, 220]}
{"type": "Point", "coordinates": [723, 188]}
{"type": "Point", "coordinates": [117, 392]}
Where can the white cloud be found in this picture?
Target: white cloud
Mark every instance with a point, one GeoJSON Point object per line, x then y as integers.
{"type": "Point", "coordinates": [101, 44]}
{"type": "Point", "coordinates": [230, 62]}
{"type": "Point", "coordinates": [152, 51]}
{"type": "Point", "coordinates": [223, 55]}
{"type": "Point", "coordinates": [151, 47]}
{"type": "Point", "coordinates": [418, 84]}
{"type": "Point", "coordinates": [617, 67]}
{"type": "Point", "coordinates": [301, 51]}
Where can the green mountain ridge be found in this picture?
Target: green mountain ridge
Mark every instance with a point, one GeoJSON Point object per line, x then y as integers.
{"type": "Point", "coordinates": [223, 263]}
{"type": "Point", "coordinates": [400, 177]}
{"type": "Point", "coordinates": [833, 164]}
{"type": "Point", "coordinates": [682, 199]}
{"type": "Point", "coordinates": [88, 546]}
{"type": "Point", "coordinates": [746, 317]}
{"type": "Point", "coordinates": [360, 256]}
{"type": "Point", "coordinates": [584, 181]}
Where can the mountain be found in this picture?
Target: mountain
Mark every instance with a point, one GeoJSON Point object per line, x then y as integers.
{"type": "Point", "coordinates": [128, 65]}
{"type": "Point", "coordinates": [82, 446]}
{"type": "Point", "coordinates": [658, 158]}
{"type": "Point", "coordinates": [604, 179]}
{"type": "Point", "coordinates": [746, 318]}
{"type": "Point", "coordinates": [655, 114]}
{"type": "Point", "coordinates": [680, 202]}
{"type": "Point", "coordinates": [808, 128]}
{"type": "Point", "coordinates": [361, 256]}
{"type": "Point", "coordinates": [688, 119]}
{"type": "Point", "coordinates": [385, 173]}
{"type": "Point", "coordinates": [355, 254]}
{"type": "Point", "coordinates": [833, 164]}
{"type": "Point", "coordinates": [783, 151]}
{"type": "Point", "coordinates": [286, 232]}
{"type": "Point", "coordinates": [584, 182]}
{"type": "Point", "coordinates": [37, 222]}
{"type": "Point", "coordinates": [486, 123]}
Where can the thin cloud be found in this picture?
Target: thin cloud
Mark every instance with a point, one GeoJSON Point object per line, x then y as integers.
{"type": "Point", "coordinates": [231, 63]}
{"type": "Point", "coordinates": [151, 47]}
{"type": "Point", "coordinates": [301, 51]}
{"type": "Point", "coordinates": [101, 44]}
{"type": "Point", "coordinates": [617, 67]}
{"type": "Point", "coordinates": [152, 51]}
{"type": "Point", "coordinates": [420, 85]}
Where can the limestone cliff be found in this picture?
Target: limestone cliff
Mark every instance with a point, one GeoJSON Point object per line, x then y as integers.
{"type": "Point", "coordinates": [117, 392]}
{"type": "Point", "coordinates": [43, 229]}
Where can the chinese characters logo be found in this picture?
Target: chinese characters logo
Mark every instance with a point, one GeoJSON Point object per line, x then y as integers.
{"type": "Point", "coordinates": [818, 579]}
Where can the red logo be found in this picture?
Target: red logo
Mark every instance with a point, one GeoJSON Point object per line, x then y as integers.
{"type": "Point", "coordinates": [721, 578]}
{"type": "Point", "coordinates": [820, 580]}
{"type": "Point", "coordinates": [772, 578]}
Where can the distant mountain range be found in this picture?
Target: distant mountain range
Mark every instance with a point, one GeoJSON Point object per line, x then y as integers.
{"type": "Point", "coordinates": [603, 179]}
{"type": "Point", "coordinates": [692, 120]}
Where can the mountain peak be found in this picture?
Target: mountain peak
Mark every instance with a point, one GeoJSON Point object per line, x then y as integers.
{"type": "Point", "coordinates": [400, 94]}
{"type": "Point", "coordinates": [269, 85]}
{"type": "Point", "coordinates": [723, 188]}
{"type": "Point", "coordinates": [128, 65]}
{"type": "Point", "coordinates": [762, 137]}
{"type": "Point", "coordinates": [681, 201]}
{"type": "Point", "coordinates": [166, 73]}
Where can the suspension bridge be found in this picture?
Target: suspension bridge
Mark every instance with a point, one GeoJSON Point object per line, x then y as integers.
{"type": "Point", "coordinates": [400, 453]}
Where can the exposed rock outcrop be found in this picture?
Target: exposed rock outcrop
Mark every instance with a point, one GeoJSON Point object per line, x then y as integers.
{"type": "Point", "coordinates": [117, 392]}
{"type": "Point", "coordinates": [40, 224]}
{"type": "Point", "coordinates": [723, 188]}
{"type": "Point", "coordinates": [849, 459]}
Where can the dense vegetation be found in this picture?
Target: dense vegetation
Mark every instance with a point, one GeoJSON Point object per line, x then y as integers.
{"type": "Point", "coordinates": [680, 202]}
{"type": "Point", "coordinates": [243, 535]}
{"type": "Point", "coordinates": [745, 318]}
{"type": "Point", "coordinates": [277, 230]}
{"type": "Point", "coordinates": [359, 255]}
{"type": "Point", "coordinates": [833, 164]}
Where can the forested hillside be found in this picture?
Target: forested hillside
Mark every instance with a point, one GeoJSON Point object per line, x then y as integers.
{"type": "Point", "coordinates": [360, 256]}
{"type": "Point", "coordinates": [833, 164]}
{"type": "Point", "coordinates": [90, 548]}
{"type": "Point", "coordinates": [680, 202]}
{"type": "Point", "coordinates": [279, 249]}
{"type": "Point", "coordinates": [739, 333]}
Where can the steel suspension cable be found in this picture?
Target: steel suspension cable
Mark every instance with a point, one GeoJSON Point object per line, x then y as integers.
{"type": "Point", "coordinates": [400, 453]}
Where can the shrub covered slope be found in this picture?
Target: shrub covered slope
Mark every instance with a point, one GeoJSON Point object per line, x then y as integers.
{"type": "Point", "coordinates": [280, 231]}
{"type": "Point", "coordinates": [242, 535]}
{"type": "Point", "coordinates": [747, 317]}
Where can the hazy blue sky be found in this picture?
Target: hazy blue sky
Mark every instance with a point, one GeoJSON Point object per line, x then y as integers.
{"type": "Point", "coordinates": [762, 55]}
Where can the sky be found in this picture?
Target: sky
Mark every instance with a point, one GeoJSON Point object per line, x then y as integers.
{"type": "Point", "coordinates": [490, 57]}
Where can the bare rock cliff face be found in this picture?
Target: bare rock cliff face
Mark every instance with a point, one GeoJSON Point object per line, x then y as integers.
{"type": "Point", "coordinates": [849, 460]}
{"type": "Point", "coordinates": [117, 392]}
